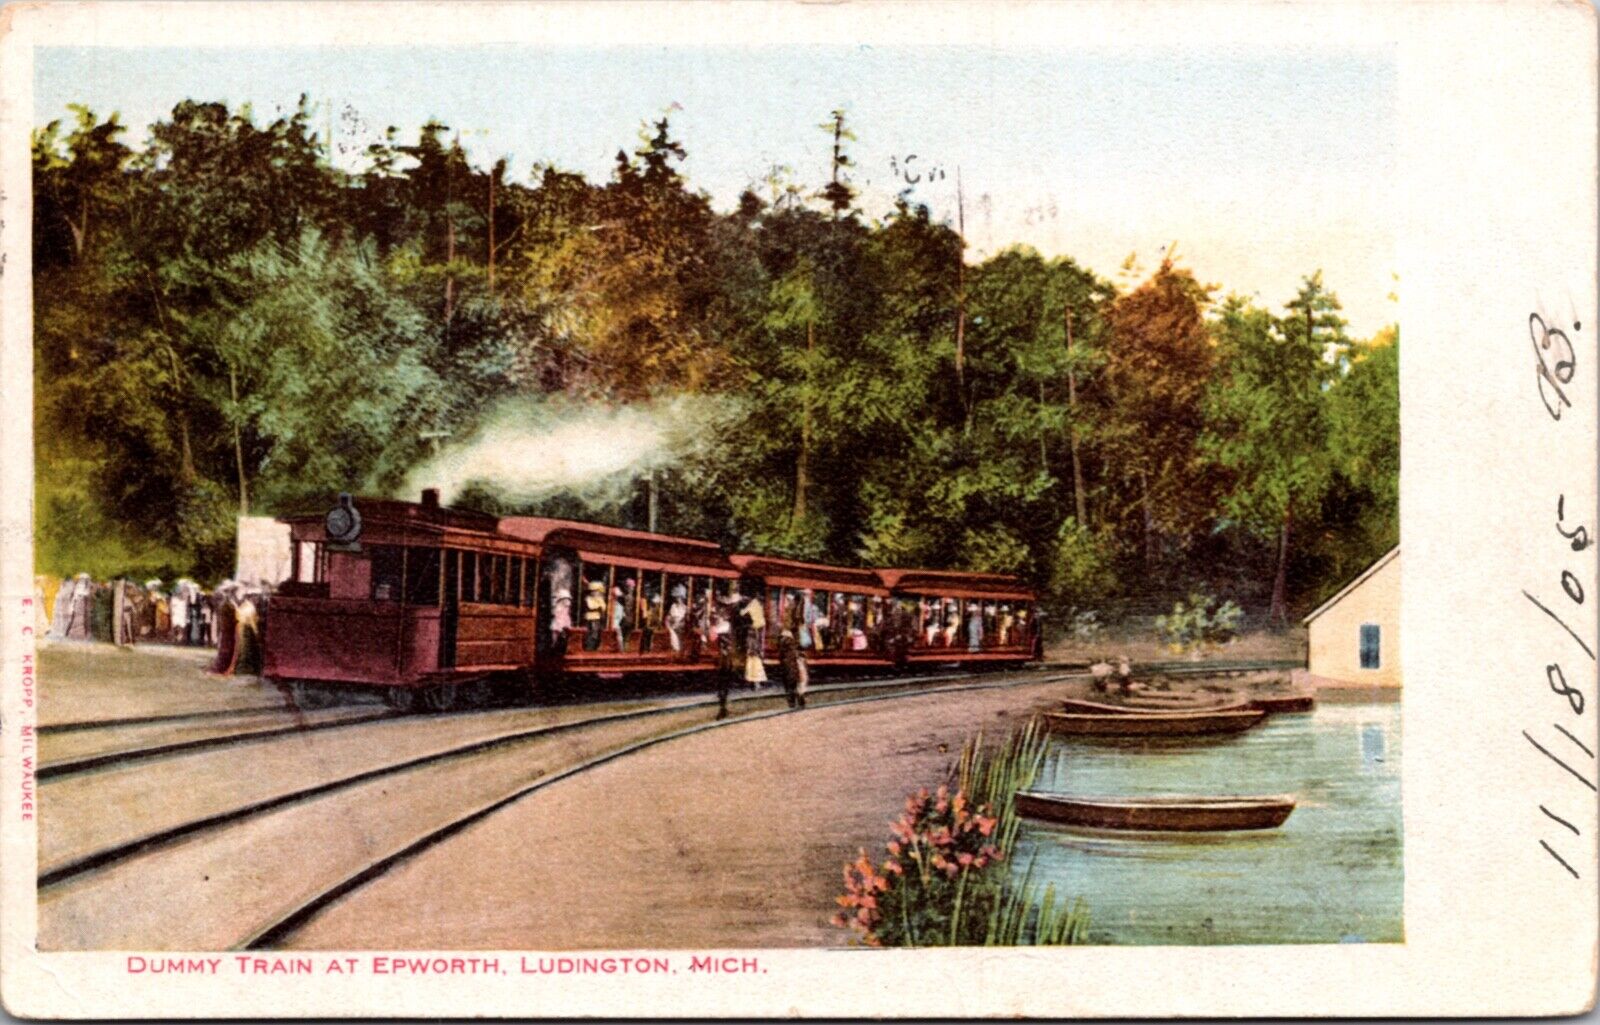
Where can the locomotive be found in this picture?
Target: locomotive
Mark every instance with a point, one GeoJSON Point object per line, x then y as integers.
{"type": "Point", "coordinates": [433, 606]}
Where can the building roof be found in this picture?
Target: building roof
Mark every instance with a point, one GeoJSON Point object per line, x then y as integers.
{"type": "Point", "coordinates": [1387, 558]}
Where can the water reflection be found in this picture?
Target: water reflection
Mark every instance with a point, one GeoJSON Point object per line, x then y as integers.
{"type": "Point", "coordinates": [1331, 873]}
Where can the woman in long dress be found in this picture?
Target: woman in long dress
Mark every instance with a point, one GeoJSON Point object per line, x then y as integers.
{"type": "Point", "coordinates": [225, 624]}
{"type": "Point", "coordinates": [677, 615]}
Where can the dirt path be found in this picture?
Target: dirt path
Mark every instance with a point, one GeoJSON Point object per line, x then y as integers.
{"type": "Point", "coordinates": [81, 681]}
{"type": "Point", "coordinates": [214, 890]}
{"type": "Point", "coordinates": [731, 838]}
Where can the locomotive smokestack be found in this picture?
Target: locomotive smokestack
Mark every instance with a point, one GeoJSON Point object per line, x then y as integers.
{"type": "Point", "coordinates": [430, 498]}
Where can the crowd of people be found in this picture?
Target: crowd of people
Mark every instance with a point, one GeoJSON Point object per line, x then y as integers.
{"type": "Point", "coordinates": [229, 618]}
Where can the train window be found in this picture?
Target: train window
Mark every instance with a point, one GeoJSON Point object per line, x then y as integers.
{"type": "Point", "coordinates": [469, 576]}
{"type": "Point", "coordinates": [708, 609]}
{"type": "Point", "coordinates": [675, 605]}
{"type": "Point", "coordinates": [308, 562]}
{"type": "Point", "coordinates": [387, 562]}
{"type": "Point", "coordinates": [651, 612]}
{"type": "Point", "coordinates": [625, 599]}
{"type": "Point", "coordinates": [422, 576]}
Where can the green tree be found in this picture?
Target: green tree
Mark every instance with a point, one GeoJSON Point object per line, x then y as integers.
{"type": "Point", "coordinates": [1268, 420]}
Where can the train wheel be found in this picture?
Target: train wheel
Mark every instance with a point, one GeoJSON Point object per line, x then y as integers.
{"type": "Point", "coordinates": [306, 695]}
{"type": "Point", "coordinates": [441, 697]}
{"type": "Point", "coordinates": [401, 699]}
{"type": "Point", "coordinates": [476, 694]}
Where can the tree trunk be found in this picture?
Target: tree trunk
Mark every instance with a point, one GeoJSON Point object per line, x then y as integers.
{"type": "Point", "coordinates": [1149, 525]}
{"type": "Point", "coordinates": [491, 257]}
{"type": "Point", "coordinates": [449, 274]}
{"type": "Point", "coordinates": [186, 472]}
{"type": "Point", "coordinates": [238, 444]}
{"type": "Point", "coordinates": [961, 300]}
{"type": "Point", "coordinates": [1079, 500]}
{"type": "Point", "coordinates": [1044, 456]}
{"type": "Point", "coordinates": [800, 468]}
{"type": "Point", "coordinates": [186, 451]}
{"type": "Point", "coordinates": [1280, 582]}
{"type": "Point", "coordinates": [80, 231]}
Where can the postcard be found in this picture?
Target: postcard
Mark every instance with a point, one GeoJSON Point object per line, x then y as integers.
{"type": "Point", "coordinates": [807, 510]}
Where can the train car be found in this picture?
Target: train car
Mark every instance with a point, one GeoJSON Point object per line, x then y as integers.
{"type": "Point", "coordinates": [431, 606]}
{"type": "Point", "coordinates": [844, 616]}
{"type": "Point", "coordinates": [965, 617]}
{"type": "Point", "coordinates": [423, 603]}
{"type": "Point", "coordinates": [614, 601]}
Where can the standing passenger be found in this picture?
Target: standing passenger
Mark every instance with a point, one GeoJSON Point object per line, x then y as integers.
{"type": "Point", "coordinates": [753, 620]}
{"type": "Point", "coordinates": [729, 671]}
{"type": "Point", "coordinates": [677, 615]}
{"type": "Point", "coordinates": [793, 663]}
{"type": "Point", "coordinates": [594, 612]}
{"type": "Point", "coordinates": [225, 624]}
{"type": "Point", "coordinates": [560, 619]}
{"type": "Point", "coordinates": [619, 614]}
{"type": "Point", "coordinates": [178, 611]}
{"type": "Point", "coordinates": [974, 626]}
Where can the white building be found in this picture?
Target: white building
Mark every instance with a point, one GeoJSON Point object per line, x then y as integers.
{"type": "Point", "coordinates": [1354, 637]}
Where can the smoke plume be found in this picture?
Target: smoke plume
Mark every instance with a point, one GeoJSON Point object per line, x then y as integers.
{"type": "Point", "coordinates": [527, 449]}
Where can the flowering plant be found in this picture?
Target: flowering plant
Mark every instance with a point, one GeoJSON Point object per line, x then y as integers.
{"type": "Point", "coordinates": [932, 887]}
{"type": "Point", "coordinates": [938, 884]}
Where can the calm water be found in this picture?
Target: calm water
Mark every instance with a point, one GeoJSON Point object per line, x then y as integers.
{"type": "Point", "coordinates": [1331, 873]}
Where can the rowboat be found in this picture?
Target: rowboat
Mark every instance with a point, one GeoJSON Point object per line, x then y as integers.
{"type": "Point", "coordinates": [1285, 703]}
{"type": "Point", "coordinates": [1153, 724]}
{"type": "Point", "coordinates": [1139, 706]}
{"type": "Point", "coordinates": [1158, 814]}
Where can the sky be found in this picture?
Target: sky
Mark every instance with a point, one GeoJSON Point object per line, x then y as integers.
{"type": "Point", "coordinates": [1262, 166]}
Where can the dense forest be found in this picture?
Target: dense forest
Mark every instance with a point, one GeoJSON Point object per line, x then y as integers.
{"type": "Point", "coordinates": [226, 322]}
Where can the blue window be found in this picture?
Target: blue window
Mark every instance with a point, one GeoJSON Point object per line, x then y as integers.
{"type": "Point", "coordinates": [1369, 645]}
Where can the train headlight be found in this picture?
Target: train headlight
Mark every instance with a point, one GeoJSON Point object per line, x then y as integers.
{"type": "Point", "coordinates": [343, 523]}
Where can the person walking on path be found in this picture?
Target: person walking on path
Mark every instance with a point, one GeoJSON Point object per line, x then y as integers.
{"type": "Point", "coordinates": [730, 671]}
{"type": "Point", "coordinates": [797, 675]}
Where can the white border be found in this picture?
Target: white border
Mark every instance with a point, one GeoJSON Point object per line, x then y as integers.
{"type": "Point", "coordinates": [1497, 185]}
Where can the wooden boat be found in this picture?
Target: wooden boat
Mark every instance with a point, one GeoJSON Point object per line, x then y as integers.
{"type": "Point", "coordinates": [1285, 702]}
{"type": "Point", "coordinates": [1158, 814]}
{"type": "Point", "coordinates": [1137, 706]}
{"type": "Point", "coordinates": [1153, 724]}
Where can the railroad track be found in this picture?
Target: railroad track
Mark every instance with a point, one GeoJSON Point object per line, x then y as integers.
{"type": "Point", "coordinates": [101, 857]}
{"type": "Point", "coordinates": [275, 933]}
{"type": "Point", "coordinates": [61, 880]}
{"type": "Point", "coordinates": [240, 844]}
{"type": "Point", "coordinates": [121, 743]}
{"type": "Point", "coordinates": [182, 733]}
{"type": "Point", "coordinates": [188, 732]}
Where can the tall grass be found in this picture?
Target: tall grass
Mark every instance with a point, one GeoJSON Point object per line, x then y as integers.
{"type": "Point", "coordinates": [947, 879]}
{"type": "Point", "coordinates": [1021, 915]}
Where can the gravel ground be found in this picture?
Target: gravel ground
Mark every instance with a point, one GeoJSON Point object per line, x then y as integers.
{"type": "Point", "coordinates": [215, 890]}
{"type": "Point", "coordinates": [74, 745]}
{"type": "Point", "coordinates": [93, 810]}
{"type": "Point", "coordinates": [82, 681]}
{"type": "Point", "coordinates": [733, 837]}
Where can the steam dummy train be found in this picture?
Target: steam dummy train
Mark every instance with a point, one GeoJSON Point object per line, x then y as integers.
{"type": "Point", "coordinates": [433, 606]}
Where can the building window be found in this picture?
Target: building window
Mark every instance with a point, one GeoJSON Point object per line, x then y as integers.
{"type": "Point", "coordinates": [1369, 645]}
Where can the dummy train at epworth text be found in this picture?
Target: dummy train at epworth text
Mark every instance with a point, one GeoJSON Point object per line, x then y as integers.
{"type": "Point", "coordinates": [436, 607]}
